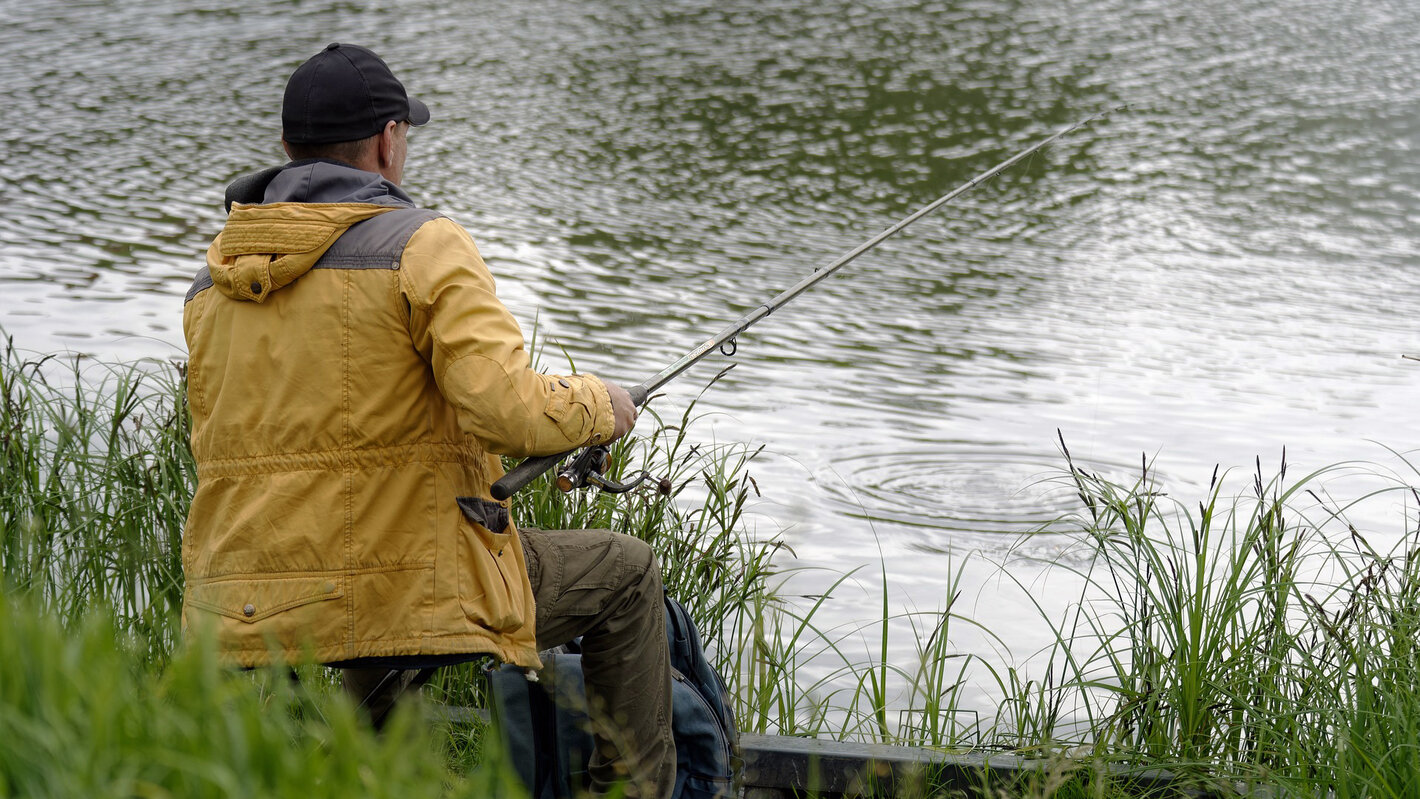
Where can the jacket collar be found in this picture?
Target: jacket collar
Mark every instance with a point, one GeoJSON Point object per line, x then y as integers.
{"type": "Point", "coordinates": [319, 180]}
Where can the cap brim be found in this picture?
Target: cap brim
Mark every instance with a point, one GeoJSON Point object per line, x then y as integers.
{"type": "Point", "coordinates": [418, 112]}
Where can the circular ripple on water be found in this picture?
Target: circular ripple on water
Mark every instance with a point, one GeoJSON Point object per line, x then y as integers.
{"type": "Point", "coordinates": [955, 486]}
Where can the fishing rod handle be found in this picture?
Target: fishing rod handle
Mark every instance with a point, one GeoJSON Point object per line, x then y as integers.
{"type": "Point", "coordinates": [519, 476]}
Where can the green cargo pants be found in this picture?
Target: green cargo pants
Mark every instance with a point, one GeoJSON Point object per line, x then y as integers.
{"type": "Point", "coordinates": [606, 588]}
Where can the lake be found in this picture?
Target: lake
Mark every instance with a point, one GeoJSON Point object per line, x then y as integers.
{"type": "Point", "coordinates": [1223, 270]}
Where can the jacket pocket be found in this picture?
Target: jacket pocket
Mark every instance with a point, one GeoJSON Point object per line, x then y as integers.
{"type": "Point", "coordinates": [251, 600]}
{"type": "Point", "coordinates": [490, 580]}
{"type": "Point", "coordinates": [559, 404]}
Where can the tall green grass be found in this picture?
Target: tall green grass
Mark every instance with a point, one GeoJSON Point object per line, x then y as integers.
{"type": "Point", "coordinates": [95, 480]}
{"type": "Point", "coordinates": [84, 714]}
{"type": "Point", "coordinates": [1253, 636]}
{"type": "Point", "coordinates": [1246, 635]}
{"type": "Point", "coordinates": [1245, 638]}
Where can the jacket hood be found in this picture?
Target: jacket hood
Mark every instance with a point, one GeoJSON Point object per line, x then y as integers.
{"type": "Point", "coordinates": [307, 206]}
{"type": "Point", "coordinates": [320, 181]}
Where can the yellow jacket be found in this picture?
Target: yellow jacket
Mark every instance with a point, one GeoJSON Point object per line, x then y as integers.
{"type": "Point", "coordinates": [342, 406]}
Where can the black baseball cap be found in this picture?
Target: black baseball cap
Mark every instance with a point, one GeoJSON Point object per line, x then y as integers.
{"type": "Point", "coordinates": [344, 93]}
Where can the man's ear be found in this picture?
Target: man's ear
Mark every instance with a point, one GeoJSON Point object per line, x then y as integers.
{"type": "Point", "coordinates": [386, 144]}
{"type": "Point", "coordinates": [287, 147]}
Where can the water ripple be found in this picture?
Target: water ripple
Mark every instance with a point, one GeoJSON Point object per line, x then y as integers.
{"type": "Point", "coordinates": [955, 490]}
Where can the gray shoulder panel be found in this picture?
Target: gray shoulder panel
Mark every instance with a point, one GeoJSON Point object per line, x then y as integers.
{"type": "Point", "coordinates": [201, 283]}
{"type": "Point", "coordinates": [377, 242]}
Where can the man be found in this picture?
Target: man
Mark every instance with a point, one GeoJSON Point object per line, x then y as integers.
{"type": "Point", "coordinates": [353, 379]}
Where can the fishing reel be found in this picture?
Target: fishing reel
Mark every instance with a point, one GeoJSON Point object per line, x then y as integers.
{"type": "Point", "coordinates": [588, 469]}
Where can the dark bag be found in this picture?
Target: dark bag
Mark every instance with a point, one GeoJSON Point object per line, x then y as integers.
{"type": "Point", "coordinates": [544, 726]}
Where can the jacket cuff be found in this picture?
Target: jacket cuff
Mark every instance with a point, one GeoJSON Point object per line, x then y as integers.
{"type": "Point", "coordinates": [603, 418]}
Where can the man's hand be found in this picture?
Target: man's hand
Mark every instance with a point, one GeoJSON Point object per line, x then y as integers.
{"type": "Point", "coordinates": [623, 408]}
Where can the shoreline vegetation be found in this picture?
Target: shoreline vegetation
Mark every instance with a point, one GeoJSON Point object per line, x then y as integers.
{"type": "Point", "coordinates": [1248, 638]}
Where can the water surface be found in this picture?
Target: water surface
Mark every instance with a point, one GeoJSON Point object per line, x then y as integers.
{"type": "Point", "coordinates": [1226, 268]}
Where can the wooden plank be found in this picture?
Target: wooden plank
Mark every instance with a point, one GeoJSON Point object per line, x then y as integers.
{"type": "Point", "coordinates": [782, 767]}
{"type": "Point", "coordinates": [778, 767]}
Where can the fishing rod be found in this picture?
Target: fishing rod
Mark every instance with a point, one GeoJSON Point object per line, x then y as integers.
{"type": "Point", "coordinates": [587, 468]}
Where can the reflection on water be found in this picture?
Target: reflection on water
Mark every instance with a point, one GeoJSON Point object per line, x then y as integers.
{"type": "Point", "coordinates": [1224, 269]}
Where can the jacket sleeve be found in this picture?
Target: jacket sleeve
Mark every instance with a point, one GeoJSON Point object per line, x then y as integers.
{"type": "Point", "coordinates": [476, 350]}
